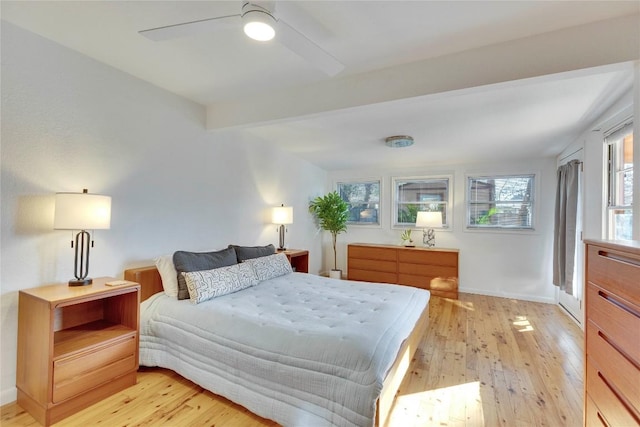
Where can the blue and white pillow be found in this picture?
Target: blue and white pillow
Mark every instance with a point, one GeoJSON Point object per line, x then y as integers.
{"type": "Point", "coordinates": [269, 267]}
{"type": "Point", "coordinates": [208, 284]}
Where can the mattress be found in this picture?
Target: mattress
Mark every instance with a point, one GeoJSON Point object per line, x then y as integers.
{"type": "Point", "coordinates": [300, 349]}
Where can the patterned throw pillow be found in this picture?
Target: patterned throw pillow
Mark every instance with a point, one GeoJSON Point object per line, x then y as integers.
{"type": "Point", "coordinates": [271, 266]}
{"type": "Point", "coordinates": [197, 261]}
{"type": "Point", "coordinates": [207, 284]}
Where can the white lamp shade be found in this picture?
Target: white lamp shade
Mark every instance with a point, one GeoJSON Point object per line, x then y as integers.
{"type": "Point", "coordinates": [429, 220]}
{"type": "Point", "coordinates": [82, 211]}
{"type": "Point", "coordinates": [282, 215]}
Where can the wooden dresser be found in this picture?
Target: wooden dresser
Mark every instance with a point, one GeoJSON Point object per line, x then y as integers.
{"type": "Point", "coordinates": [435, 269]}
{"type": "Point", "coordinates": [612, 343]}
{"type": "Point", "coordinates": [76, 346]}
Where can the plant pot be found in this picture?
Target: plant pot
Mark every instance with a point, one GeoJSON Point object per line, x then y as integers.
{"type": "Point", "coordinates": [335, 274]}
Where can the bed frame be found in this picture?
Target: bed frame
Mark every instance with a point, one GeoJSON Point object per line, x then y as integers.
{"type": "Point", "coordinates": [151, 283]}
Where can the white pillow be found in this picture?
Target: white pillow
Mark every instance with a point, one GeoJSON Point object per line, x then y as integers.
{"type": "Point", "coordinates": [268, 267]}
{"type": "Point", "coordinates": [168, 274]}
{"type": "Point", "coordinates": [207, 284]}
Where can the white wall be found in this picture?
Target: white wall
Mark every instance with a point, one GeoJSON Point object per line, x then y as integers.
{"type": "Point", "coordinates": [594, 165]}
{"type": "Point", "coordinates": [69, 122]}
{"type": "Point", "coordinates": [506, 264]}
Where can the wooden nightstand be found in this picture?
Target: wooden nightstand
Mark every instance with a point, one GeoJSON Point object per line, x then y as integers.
{"type": "Point", "coordinates": [298, 258]}
{"type": "Point", "coordinates": [76, 346]}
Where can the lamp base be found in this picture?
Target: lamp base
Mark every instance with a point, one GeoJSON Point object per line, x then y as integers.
{"type": "Point", "coordinates": [81, 282]}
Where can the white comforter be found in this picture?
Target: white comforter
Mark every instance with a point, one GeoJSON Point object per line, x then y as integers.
{"type": "Point", "coordinates": [300, 349]}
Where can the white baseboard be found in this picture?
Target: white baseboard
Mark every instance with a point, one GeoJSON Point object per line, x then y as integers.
{"type": "Point", "coordinates": [8, 396]}
{"type": "Point", "coordinates": [548, 300]}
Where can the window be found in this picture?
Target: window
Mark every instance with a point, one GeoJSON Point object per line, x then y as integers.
{"type": "Point", "coordinates": [620, 186]}
{"type": "Point", "coordinates": [500, 202]}
{"type": "Point", "coordinates": [363, 198]}
{"type": "Point", "coordinates": [421, 194]}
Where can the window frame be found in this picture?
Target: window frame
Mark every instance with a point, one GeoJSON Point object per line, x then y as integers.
{"type": "Point", "coordinates": [501, 228]}
{"type": "Point", "coordinates": [448, 204]}
{"type": "Point", "coordinates": [615, 172]}
{"type": "Point", "coordinates": [379, 180]}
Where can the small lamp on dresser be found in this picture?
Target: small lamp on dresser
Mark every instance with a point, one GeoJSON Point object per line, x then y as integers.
{"type": "Point", "coordinates": [282, 215]}
{"type": "Point", "coordinates": [428, 221]}
{"type": "Point", "coordinates": [82, 211]}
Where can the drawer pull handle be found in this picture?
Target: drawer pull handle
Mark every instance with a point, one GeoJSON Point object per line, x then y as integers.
{"type": "Point", "coordinates": [617, 303]}
{"type": "Point", "coordinates": [620, 258]}
{"type": "Point", "coordinates": [617, 348]}
{"type": "Point", "coordinates": [602, 420]}
{"type": "Point", "coordinates": [620, 398]}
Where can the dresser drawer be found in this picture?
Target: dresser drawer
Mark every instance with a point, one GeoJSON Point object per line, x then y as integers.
{"type": "Point", "coordinates": [372, 276]}
{"type": "Point", "coordinates": [372, 265]}
{"type": "Point", "coordinates": [427, 270]}
{"type": "Point", "coordinates": [371, 252]}
{"type": "Point", "coordinates": [616, 271]}
{"type": "Point", "coordinates": [428, 257]}
{"type": "Point", "coordinates": [612, 410]}
{"type": "Point", "coordinates": [617, 320]}
{"type": "Point", "coordinates": [613, 365]}
{"type": "Point", "coordinates": [592, 416]}
{"type": "Point", "coordinates": [77, 374]}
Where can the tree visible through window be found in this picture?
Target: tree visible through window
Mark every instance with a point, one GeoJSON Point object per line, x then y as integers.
{"type": "Point", "coordinates": [502, 202]}
{"type": "Point", "coordinates": [620, 188]}
{"type": "Point", "coordinates": [363, 199]}
{"type": "Point", "coordinates": [420, 194]}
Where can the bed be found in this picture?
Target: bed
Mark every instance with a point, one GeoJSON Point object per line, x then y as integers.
{"type": "Point", "coordinates": [298, 349]}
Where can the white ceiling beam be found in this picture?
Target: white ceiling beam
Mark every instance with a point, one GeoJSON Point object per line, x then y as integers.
{"type": "Point", "coordinates": [592, 45]}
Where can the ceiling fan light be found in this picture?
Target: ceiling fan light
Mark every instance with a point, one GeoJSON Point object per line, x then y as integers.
{"type": "Point", "coordinates": [259, 31]}
{"type": "Point", "coordinates": [258, 22]}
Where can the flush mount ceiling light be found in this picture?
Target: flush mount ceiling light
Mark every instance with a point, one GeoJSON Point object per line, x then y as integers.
{"type": "Point", "coordinates": [258, 22]}
{"type": "Point", "coordinates": [399, 141]}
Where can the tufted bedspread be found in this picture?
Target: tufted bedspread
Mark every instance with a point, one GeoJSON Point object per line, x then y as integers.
{"type": "Point", "coordinates": [302, 350]}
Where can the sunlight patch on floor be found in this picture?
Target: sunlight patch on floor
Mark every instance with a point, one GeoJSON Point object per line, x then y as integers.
{"type": "Point", "coordinates": [459, 404]}
{"type": "Point", "coordinates": [461, 304]}
{"type": "Point", "coordinates": [522, 324]}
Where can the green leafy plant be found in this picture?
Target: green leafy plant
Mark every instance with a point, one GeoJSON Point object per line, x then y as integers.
{"type": "Point", "coordinates": [406, 236]}
{"type": "Point", "coordinates": [408, 214]}
{"type": "Point", "coordinates": [332, 214]}
{"type": "Point", "coordinates": [486, 218]}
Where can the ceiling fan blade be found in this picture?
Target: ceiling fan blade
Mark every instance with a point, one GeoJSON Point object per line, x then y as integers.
{"type": "Point", "coordinates": [302, 46]}
{"type": "Point", "coordinates": [191, 28]}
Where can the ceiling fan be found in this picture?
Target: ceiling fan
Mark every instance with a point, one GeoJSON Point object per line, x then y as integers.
{"type": "Point", "coordinates": [261, 23]}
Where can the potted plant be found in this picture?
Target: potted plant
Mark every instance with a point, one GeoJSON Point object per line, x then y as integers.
{"type": "Point", "coordinates": [331, 213]}
{"type": "Point", "coordinates": [406, 238]}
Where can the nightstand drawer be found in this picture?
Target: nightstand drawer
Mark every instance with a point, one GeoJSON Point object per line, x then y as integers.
{"type": "Point", "coordinates": [76, 374]}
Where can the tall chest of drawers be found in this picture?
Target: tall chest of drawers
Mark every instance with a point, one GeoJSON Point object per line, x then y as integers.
{"type": "Point", "coordinates": [435, 269]}
{"type": "Point", "coordinates": [612, 341]}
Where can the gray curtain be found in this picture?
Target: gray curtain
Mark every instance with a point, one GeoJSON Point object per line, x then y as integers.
{"type": "Point", "coordinates": [564, 238]}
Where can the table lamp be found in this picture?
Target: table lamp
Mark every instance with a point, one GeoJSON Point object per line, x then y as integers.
{"type": "Point", "coordinates": [282, 215]}
{"type": "Point", "coordinates": [82, 211]}
{"type": "Point", "coordinates": [428, 221]}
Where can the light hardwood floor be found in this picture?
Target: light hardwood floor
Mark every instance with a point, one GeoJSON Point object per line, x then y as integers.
{"type": "Point", "coordinates": [485, 361]}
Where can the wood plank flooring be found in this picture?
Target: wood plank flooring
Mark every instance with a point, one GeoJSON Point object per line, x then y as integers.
{"type": "Point", "coordinates": [485, 361]}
